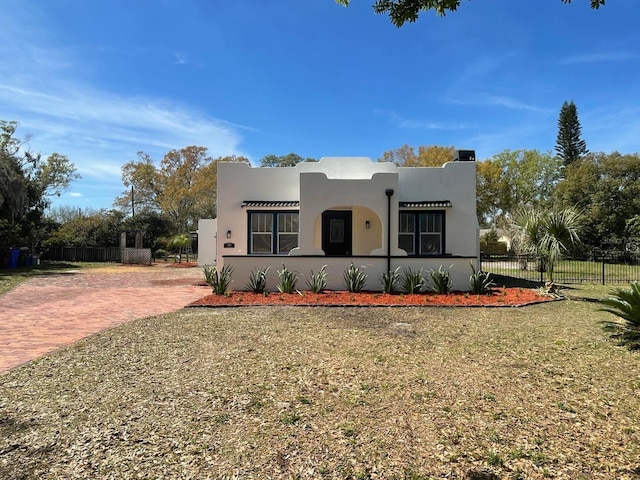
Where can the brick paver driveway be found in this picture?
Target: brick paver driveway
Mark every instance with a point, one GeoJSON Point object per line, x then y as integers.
{"type": "Point", "coordinates": [53, 310]}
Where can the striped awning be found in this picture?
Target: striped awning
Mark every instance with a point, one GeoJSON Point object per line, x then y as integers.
{"type": "Point", "coordinates": [426, 204]}
{"type": "Point", "coordinates": [270, 203]}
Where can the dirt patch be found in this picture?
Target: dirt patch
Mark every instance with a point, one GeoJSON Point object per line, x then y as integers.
{"type": "Point", "coordinates": [506, 297]}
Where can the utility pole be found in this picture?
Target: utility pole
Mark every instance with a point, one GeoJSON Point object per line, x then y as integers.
{"type": "Point", "coordinates": [133, 209]}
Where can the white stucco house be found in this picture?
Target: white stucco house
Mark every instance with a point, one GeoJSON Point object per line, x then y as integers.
{"type": "Point", "coordinates": [344, 210]}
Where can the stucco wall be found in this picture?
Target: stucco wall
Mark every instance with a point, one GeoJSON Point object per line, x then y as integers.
{"type": "Point", "coordinates": [456, 182]}
{"type": "Point", "coordinates": [207, 231]}
{"type": "Point", "coordinates": [352, 183]}
{"type": "Point", "coordinates": [373, 267]}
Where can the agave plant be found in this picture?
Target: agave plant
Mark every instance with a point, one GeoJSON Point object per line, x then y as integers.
{"type": "Point", "coordinates": [441, 280]}
{"type": "Point", "coordinates": [287, 280]}
{"type": "Point", "coordinates": [317, 282]}
{"type": "Point", "coordinates": [389, 280]}
{"type": "Point", "coordinates": [624, 304]}
{"type": "Point", "coordinates": [480, 282]}
{"type": "Point", "coordinates": [258, 280]}
{"type": "Point", "coordinates": [413, 281]}
{"type": "Point", "coordinates": [218, 280]}
{"type": "Point", "coordinates": [354, 278]}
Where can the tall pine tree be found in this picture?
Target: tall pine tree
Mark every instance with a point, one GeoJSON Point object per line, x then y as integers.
{"type": "Point", "coordinates": [569, 145]}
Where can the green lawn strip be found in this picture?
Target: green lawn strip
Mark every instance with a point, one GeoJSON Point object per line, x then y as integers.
{"type": "Point", "coordinates": [571, 269]}
{"type": "Point", "coordinates": [284, 392]}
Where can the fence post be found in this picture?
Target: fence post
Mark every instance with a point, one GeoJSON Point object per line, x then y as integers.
{"type": "Point", "coordinates": [603, 279]}
{"type": "Point", "coordinates": [541, 267]}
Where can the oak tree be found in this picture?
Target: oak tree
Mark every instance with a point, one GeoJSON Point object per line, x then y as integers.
{"type": "Point", "coordinates": [607, 188]}
{"type": "Point", "coordinates": [515, 179]}
{"type": "Point", "coordinates": [182, 188]}
{"type": "Point", "coordinates": [289, 160]}
{"type": "Point", "coordinates": [402, 11]}
{"type": "Point", "coordinates": [427, 156]}
{"type": "Point", "coordinates": [27, 183]}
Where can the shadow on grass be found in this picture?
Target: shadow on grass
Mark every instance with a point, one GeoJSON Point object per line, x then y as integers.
{"type": "Point", "coordinates": [45, 268]}
{"type": "Point", "coordinates": [513, 282]}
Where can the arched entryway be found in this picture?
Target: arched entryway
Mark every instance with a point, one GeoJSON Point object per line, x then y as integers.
{"type": "Point", "coordinates": [347, 231]}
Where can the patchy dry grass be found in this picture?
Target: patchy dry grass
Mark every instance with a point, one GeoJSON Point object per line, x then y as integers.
{"type": "Point", "coordinates": [285, 392]}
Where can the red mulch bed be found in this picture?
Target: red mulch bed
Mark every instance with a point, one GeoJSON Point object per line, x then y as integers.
{"type": "Point", "coordinates": [504, 297]}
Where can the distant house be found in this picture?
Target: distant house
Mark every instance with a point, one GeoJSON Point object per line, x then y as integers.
{"type": "Point", "coordinates": [344, 210]}
{"type": "Point", "coordinates": [501, 237]}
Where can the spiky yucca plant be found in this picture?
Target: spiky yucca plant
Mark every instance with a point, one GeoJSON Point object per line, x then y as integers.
{"type": "Point", "coordinates": [317, 282]}
{"type": "Point", "coordinates": [354, 278]}
{"type": "Point", "coordinates": [624, 304]}
{"type": "Point", "coordinates": [441, 281]}
{"type": "Point", "coordinates": [218, 280]}
{"type": "Point", "coordinates": [287, 280]}
{"type": "Point", "coordinates": [389, 280]}
{"type": "Point", "coordinates": [258, 280]}
{"type": "Point", "coordinates": [480, 282]}
{"type": "Point", "coordinates": [413, 281]}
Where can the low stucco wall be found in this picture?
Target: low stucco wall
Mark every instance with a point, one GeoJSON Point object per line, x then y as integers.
{"type": "Point", "coordinates": [373, 267]}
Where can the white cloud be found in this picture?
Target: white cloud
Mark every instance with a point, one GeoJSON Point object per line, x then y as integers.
{"type": "Point", "coordinates": [618, 56]}
{"type": "Point", "coordinates": [603, 132]}
{"type": "Point", "coordinates": [479, 99]}
{"type": "Point", "coordinates": [98, 129]}
{"type": "Point", "coordinates": [511, 103]}
{"type": "Point", "coordinates": [400, 121]}
{"type": "Point", "coordinates": [103, 130]}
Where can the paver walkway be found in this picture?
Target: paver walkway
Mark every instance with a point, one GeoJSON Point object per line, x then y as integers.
{"type": "Point", "coordinates": [53, 310]}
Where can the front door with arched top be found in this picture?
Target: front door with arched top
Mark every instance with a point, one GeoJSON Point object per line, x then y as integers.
{"type": "Point", "coordinates": [336, 233]}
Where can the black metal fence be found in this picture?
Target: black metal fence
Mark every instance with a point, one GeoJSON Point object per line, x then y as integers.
{"type": "Point", "coordinates": [602, 268]}
{"type": "Point", "coordinates": [82, 254]}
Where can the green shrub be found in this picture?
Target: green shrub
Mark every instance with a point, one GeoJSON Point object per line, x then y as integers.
{"type": "Point", "coordinates": [493, 248]}
{"type": "Point", "coordinates": [624, 304]}
{"type": "Point", "coordinates": [354, 278]}
{"type": "Point", "coordinates": [258, 280]}
{"type": "Point", "coordinates": [413, 281]}
{"type": "Point", "coordinates": [390, 281]}
{"type": "Point", "coordinates": [287, 280]}
{"type": "Point", "coordinates": [441, 280]}
{"type": "Point", "coordinates": [219, 281]}
{"type": "Point", "coordinates": [317, 282]}
{"type": "Point", "coordinates": [480, 282]}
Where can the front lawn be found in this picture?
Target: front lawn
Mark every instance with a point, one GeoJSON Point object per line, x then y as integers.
{"type": "Point", "coordinates": [349, 393]}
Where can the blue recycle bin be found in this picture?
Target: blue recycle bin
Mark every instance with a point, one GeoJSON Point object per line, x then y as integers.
{"type": "Point", "coordinates": [14, 254]}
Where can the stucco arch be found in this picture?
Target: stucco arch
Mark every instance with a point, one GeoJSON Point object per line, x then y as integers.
{"type": "Point", "coordinates": [366, 229]}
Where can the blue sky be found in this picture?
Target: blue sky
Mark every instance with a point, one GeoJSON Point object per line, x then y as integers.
{"type": "Point", "coordinates": [100, 81]}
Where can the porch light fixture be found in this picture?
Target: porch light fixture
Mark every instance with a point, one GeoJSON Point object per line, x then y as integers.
{"type": "Point", "coordinates": [367, 224]}
{"type": "Point", "coordinates": [228, 233]}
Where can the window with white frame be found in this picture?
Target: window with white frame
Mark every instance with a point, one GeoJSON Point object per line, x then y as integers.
{"type": "Point", "coordinates": [421, 232]}
{"type": "Point", "coordinates": [273, 232]}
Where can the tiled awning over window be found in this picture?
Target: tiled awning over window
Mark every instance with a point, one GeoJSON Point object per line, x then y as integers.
{"type": "Point", "coordinates": [270, 203]}
{"type": "Point", "coordinates": [426, 204]}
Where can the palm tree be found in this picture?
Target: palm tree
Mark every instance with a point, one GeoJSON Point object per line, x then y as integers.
{"type": "Point", "coordinates": [547, 234]}
{"type": "Point", "coordinates": [624, 304]}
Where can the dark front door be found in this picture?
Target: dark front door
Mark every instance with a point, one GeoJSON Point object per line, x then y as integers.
{"type": "Point", "coordinates": [336, 233]}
